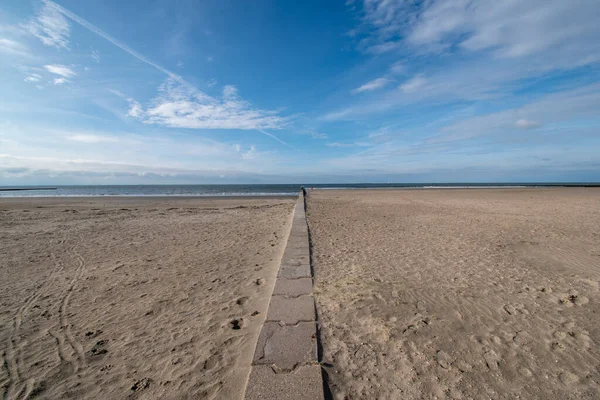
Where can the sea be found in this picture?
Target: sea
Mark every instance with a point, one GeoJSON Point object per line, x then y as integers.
{"type": "Point", "coordinates": [239, 190]}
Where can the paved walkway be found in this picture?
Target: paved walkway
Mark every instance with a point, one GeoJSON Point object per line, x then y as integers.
{"type": "Point", "coordinates": [285, 362]}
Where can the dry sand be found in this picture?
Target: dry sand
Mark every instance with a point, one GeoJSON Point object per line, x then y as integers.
{"type": "Point", "coordinates": [135, 298]}
{"type": "Point", "coordinates": [463, 294]}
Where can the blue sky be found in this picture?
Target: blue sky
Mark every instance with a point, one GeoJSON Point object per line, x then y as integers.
{"type": "Point", "coordinates": [108, 92]}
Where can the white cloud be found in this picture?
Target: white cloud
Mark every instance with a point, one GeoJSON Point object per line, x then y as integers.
{"type": "Point", "coordinates": [96, 55]}
{"type": "Point", "coordinates": [33, 78]}
{"type": "Point", "coordinates": [314, 134]}
{"type": "Point", "coordinates": [526, 124]}
{"type": "Point", "coordinates": [135, 109]}
{"type": "Point", "coordinates": [413, 84]}
{"type": "Point", "coordinates": [13, 47]}
{"type": "Point", "coordinates": [353, 144]}
{"type": "Point", "coordinates": [564, 32]}
{"type": "Point", "coordinates": [372, 85]}
{"type": "Point", "coordinates": [181, 106]}
{"type": "Point", "coordinates": [60, 81]}
{"type": "Point", "coordinates": [50, 26]}
{"type": "Point", "coordinates": [92, 138]}
{"type": "Point", "coordinates": [249, 154]}
{"type": "Point", "coordinates": [61, 70]}
{"type": "Point", "coordinates": [398, 68]}
{"type": "Point", "coordinates": [105, 153]}
{"type": "Point", "coordinates": [556, 110]}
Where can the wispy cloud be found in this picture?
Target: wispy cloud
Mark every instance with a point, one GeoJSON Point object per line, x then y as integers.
{"type": "Point", "coordinates": [33, 78]}
{"type": "Point", "coordinates": [350, 144]}
{"type": "Point", "coordinates": [13, 48]}
{"type": "Point", "coordinates": [372, 85]}
{"type": "Point", "coordinates": [94, 29]}
{"type": "Point", "coordinates": [92, 138]}
{"type": "Point", "coordinates": [552, 28]}
{"type": "Point", "coordinates": [60, 81]}
{"type": "Point", "coordinates": [527, 124]}
{"type": "Point", "coordinates": [550, 112]}
{"type": "Point", "coordinates": [61, 70]}
{"type": "Point", "coordinates": [96, 55]}
{"type": "Point", "coordinates": [180, 106]}
{"type": "Point", "coordinates": [314, 134]}
{"type": "Point", "coordinates": [50, 26]}
{"type": "Point", "coordinates": [413, 84]}
{"type": "Point", "coordinates": [249, 154]}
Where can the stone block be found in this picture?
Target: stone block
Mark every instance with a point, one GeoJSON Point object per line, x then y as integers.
{"type": "Point", "coordinates": [293, 287]}
{"type": "Point", "coordinates": [303, 383]}
{"type": "Point", "coordinates": [285, 346]}
{"type": "Point", "coordinates": [291, 310]}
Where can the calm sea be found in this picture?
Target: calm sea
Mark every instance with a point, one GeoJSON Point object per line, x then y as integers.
{"type": "Point", "coordinates": [236, 190]}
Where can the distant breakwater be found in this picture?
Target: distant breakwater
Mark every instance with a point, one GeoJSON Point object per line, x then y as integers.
{"type": "Point", "coordinates": [29, 188]}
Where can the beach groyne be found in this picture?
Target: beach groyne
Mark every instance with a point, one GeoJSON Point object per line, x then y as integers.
{"type": "Point", "coordinates": [285, 364]}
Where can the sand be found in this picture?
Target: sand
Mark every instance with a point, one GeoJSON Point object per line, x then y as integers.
{"type": "Point", "coordinates": [462, 294]}
{"type": "Point", "coordinates": [136, 298]}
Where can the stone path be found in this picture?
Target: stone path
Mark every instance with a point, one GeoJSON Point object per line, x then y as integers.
{"type": "Point", "coordinates": [285, 362]}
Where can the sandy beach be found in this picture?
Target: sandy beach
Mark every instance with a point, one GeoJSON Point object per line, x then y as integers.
{"type": "Point", "coordinates": [461, 294]}
{"type": "Point", "coordinates": [135, 297]}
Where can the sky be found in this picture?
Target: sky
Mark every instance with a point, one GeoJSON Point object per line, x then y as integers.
{"type": "Point", "coordinates": [266, 91]}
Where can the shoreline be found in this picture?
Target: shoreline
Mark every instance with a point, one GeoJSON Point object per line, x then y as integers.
{"type": "Point", "coordinates": [279, 196]}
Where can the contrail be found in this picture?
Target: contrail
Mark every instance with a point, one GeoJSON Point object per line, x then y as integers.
{"type": "Point", "coordinates": [111, 39]}
{"type": "Point", "coordinates": [94, 29]}
{"type": "Point", "coordinates": [274, 137]}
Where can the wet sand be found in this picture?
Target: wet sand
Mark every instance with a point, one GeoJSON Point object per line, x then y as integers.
{"type": "Point", "coordinates": [140, 298]}
{"type": "Point", "coordinates": [462, 294]}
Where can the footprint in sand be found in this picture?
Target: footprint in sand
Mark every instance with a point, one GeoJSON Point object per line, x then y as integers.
{"type": "Point", "coordinates": [141, 384]}
{"type": "Point", "coordinates": [213, 361]}
{"type": "Point", "coordinates": [568, 378]}
{"type": "Point", "coordinates": [443, 359]}
{"type": "Point", "coordinates": [491, 360]}
{"type": "Point", "coordinates": [573, 297]}
{"type": "Point", "coordinates": [98, 348]}
{"type": "Point", "coordinates": [236, 324]}
{"type": "Point", "coordinates": [525, 372]}
{"type": "Point", "coordinates": [241, 301]}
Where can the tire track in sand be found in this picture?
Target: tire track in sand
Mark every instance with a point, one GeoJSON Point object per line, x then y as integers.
{"type": "Point", "coordinates": [79, 360]}
{"type": "Point", "coordinates": [12, 357]}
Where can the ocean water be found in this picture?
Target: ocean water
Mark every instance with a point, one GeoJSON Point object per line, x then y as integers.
{"type": "Point", "coordinates": [237, 190]}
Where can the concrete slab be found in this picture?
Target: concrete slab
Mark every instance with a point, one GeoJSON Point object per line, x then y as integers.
{"type": "Point", "coordinates": [293, 287]}
{"type": "Point", "coordinates": [300, 251]}
{"type": "Point", "coordinates": [295, 259]}
{"type": "Point", "coordinates": [303, 383]}
{"type": "Point", "coordinates": [286, 346]}
{"type": "Point", "coordinates": [294, 271]}
{"type": "Point", "coordinates": [291, 310]}
{"type": "Point", "coordinates": [285, 360]}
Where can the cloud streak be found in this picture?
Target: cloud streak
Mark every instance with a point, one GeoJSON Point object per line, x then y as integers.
{"type": "Point", "coordinates": [372, 85]}
{"type": "Point", "coordinates": [61, 70]}
{"type": "Point", "coordinates": [94, 29]}
{"type": "Point", "coordinates": [92, 138]}
{"type": "Point", "coordinates": [181, 105]}
{"type": "Point", "coordinates": [50, 26]}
